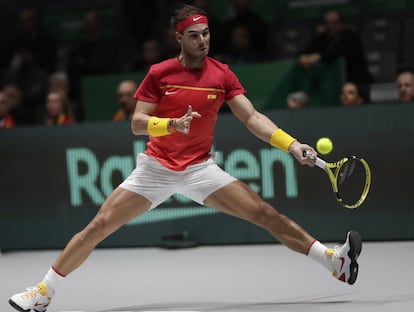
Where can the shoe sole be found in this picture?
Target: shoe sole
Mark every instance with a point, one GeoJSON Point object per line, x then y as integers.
{"type": "Point", "coordinates": [355, 247]}
{"type": "Point", "coordinates": [18, 308]}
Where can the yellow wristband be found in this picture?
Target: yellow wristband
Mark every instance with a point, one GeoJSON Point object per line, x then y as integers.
{"type": "Point", "coordinates": [158, 126]}
{"type": "Point", "coordinates": [281, 139]}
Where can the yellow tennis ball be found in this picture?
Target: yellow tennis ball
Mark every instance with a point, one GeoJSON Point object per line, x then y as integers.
{"type": "Point", "coordinates": [324, 145]}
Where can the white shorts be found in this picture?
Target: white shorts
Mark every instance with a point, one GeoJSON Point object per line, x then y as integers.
{"type": "Point", "coordinates": [157, 183]}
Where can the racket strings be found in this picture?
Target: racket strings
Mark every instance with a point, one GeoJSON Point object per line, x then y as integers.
{"type": "Point", "coordinates": [351, 181]}
{"type": "Point", "coordinates": [346, 171]}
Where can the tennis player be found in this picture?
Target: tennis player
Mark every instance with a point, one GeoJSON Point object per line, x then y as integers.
{"type": "Point", "coordinates": [177, 106]}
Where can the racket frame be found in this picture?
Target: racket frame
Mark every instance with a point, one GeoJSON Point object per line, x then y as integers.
{"type": "Point", "coordinates": [333, 169]}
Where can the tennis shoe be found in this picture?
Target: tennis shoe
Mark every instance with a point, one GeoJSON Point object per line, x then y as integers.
{"type": "Point", "coordinates": [344, 258]}
{"type": "Point", "coordinates": [34, 298]}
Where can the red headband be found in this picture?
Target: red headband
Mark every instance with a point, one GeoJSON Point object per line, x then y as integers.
{"type": "Point", "coordinates": [190, 21]}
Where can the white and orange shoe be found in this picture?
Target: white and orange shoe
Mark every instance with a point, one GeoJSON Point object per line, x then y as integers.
{"type": "Point", "coordinates": [34, 298]}
{"type": "Point", "coordinates": [344, 258]}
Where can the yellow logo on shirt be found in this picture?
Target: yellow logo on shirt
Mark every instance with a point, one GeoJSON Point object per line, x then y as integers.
{"type": "Point", "coordinates": [211, 96]}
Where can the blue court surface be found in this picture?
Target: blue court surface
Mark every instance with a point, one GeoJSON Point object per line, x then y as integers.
{"type": "Point", "coordinates": [217, 278]}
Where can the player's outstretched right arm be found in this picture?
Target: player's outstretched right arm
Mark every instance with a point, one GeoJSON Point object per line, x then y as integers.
{"type": "Point", "coordinates": [265, 129]}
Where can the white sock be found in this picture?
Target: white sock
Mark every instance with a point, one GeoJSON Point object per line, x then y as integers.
{"type": "Point", "coordinates": [321, 254]}
{"type": "Point", "coordinates": [52, 279]}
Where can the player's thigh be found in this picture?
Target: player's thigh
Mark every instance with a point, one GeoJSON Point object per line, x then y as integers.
{"type": "Point", "coordinates": [120, 207]}
{"type": "Point", "coordinates": [238, 199]}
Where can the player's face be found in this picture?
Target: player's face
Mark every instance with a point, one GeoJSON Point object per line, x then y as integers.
{"type": "Point", "coordinates": [195, 40]}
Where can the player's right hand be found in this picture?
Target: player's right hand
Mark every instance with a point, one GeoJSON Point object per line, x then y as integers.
{"type": "Point", "coordinates": [183, 123]}
{"type": "Point", "coordinates": [299, 150]}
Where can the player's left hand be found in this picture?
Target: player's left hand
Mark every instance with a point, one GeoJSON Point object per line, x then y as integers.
{"type": "Point", "coordinates": [182, 124]}
{"type": "Point", "coordinates": [297, 149]}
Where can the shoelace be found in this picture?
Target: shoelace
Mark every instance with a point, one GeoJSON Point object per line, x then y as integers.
{"type": "Point", "coordinates": [336, 250]}
{"type": "Point", "coordinates": [31, 292]}
{"type": "Point", "coordinates": [331, 251]}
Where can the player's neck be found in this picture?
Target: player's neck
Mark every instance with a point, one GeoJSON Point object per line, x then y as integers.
{"type": "Point", "coordinates": [190, 62]}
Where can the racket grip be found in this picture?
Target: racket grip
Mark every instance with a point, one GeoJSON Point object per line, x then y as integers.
{"type": "Point", "coordinates": [318, 162]}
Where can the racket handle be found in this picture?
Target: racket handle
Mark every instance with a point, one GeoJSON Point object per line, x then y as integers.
{"type": "Point", "coordinates": [318, 162]}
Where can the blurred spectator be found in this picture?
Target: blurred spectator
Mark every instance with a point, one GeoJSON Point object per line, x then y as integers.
{"type": "Point", "coordinates": [141, 20]}
{"type": "Point", "coordinates": [335, 41]}
{"type": "Point", "coordinates": [31, 79]}
{"type": "Point", "coordinates": [258, 28]}
{"type": "Point", "coordinates": [297, 100]}
{"type": "Point", "coordinates": [405, 81]}
{"type": "Point", "coordinates": [3, 61]}
{"type": "Point", "coordinates": [97, 52]}
{"type": "Point", "coordinates": [241, 50]}
{"type": "Point", "coordinates": [170, 47]}
{"type": "Point", "coordinates": [57, 109]}
{"type": "Point", "coordinates": [151, 53]}
{"type": "Point", "coordinates": [6, 118]}
{"type": "Point", "coordinates": [125, 97]}
{"type": "Point", "coordinates": [32, 37]}
{"type": "Point", "coordinates": [15, 98]}
{"type": "Point", "coordinates": [351, 95]}
{"type": "Point", "coordinates": [59, 80]}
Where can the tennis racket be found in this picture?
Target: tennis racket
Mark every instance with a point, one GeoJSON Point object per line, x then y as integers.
{"type": "Point", "coordinates": [350, 178]}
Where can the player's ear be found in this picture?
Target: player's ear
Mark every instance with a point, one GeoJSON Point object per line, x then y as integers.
{"type": "Point", "coordinates": [178, 36]}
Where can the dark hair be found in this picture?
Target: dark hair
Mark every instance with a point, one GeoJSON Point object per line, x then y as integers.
{"type": "Point", "coordinates": [183, 12]}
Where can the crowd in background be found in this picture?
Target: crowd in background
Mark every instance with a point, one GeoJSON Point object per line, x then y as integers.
{"type": "Point", "coordinates": [40, 81]}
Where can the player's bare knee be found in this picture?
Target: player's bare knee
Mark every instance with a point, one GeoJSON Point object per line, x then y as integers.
{"type": "Point", "coordinates": [262, 214]}
{"type": "Point", "coordinates": [94, 231]}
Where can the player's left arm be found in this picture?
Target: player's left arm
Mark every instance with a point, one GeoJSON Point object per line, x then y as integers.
{"type": "Point", "coordinates": [265, 129]}
{"type": "Point", "coordinates": [144, 112]}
